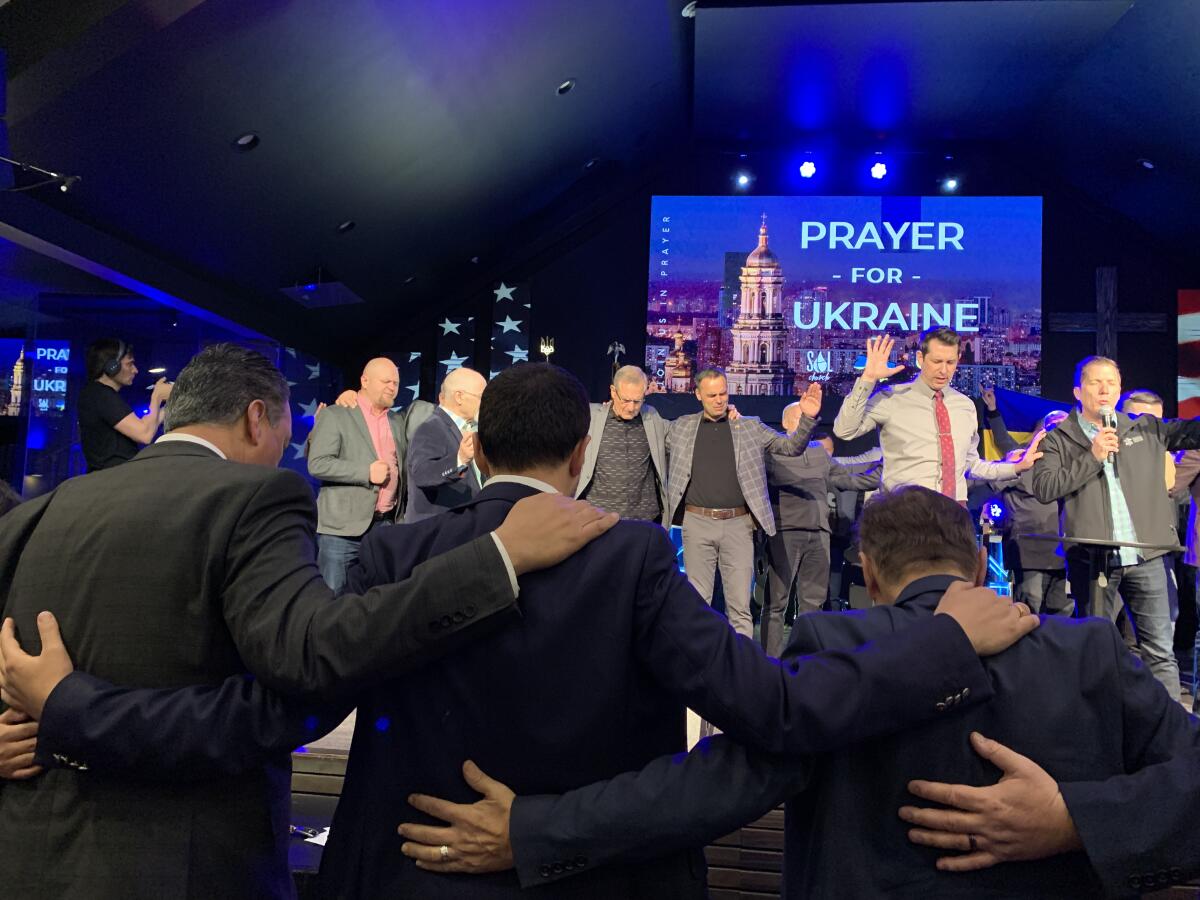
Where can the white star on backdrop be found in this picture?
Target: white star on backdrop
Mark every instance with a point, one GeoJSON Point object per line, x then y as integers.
{"type": "Point", "coordinates": [290, 350]}
{"type": "Point", "coordinates": [526, 305]}
{"type": "Point", "coordinates": [313, 371]}
{"type": "Point", "coordinates": [291, 384]}
{"type": "Point", "coordinates": [448, 327]}
{"type": "Point", "coordinates": [504, 292]}
{"type": "Point", "coordinates": [414, 356]}
{"type": "Point", "coordinates": [298, 451]}
{"type": "Point", "coordinates": [492, 375]}
{"type": "Point", "coordinates": [309, 410]}
{"type": "Point", "coordinates": [415, 388]}
{"type": "Point", "coordinates": [454, 362]}
{"type": "Point", "coordinates": [510, 324]}
{"type": "Point", "coordinates": [517, 354]}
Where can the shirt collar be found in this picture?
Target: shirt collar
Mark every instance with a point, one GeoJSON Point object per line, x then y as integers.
{"type": "Point", "coordinates": [458, 420]}
{"type": "Point", "coordinates": [919, 385]}
{"type": "Point", "coordinates": [929, 584]}
{"type": "Point", "coordinates": [534, 483]}
{"type": "Point", "coordinates": [191, 439]}
{"type": "Point", "coordinates": [1089, 429]}
{"type": "Point", "coordinates": [612, 414]}
{"type": "Point", "coordinates": [367, 409]}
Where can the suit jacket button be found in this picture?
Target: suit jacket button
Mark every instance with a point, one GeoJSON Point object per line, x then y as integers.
{"type": "Point", "coordinates": [447, 621]}
{"type": "Point", "coordinates": [459, 617]}
{"type": "Point", "coordinates": [941, 707]}
{"type": "Point", "coordinates": [544, 871]}
{"type": "Point", "coordinates": [559, 868]}
{"type": "Point", "coordinates": [581, 861]}
{"type": "Point", "coordinates": [469, 610]}
{"type": "Point", "coordinates": [966, 692]}
{"type": "Point", "coordinates": [1135, 882]}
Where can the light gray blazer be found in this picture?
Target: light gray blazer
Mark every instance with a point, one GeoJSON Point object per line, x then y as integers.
{"type": "Point", "coordinates": [340, 454]}
{"type": "Point", "coordinates": [656, 435]}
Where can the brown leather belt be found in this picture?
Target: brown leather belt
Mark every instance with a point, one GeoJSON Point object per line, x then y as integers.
{"type": "Point", "coordinates": [717, 513]}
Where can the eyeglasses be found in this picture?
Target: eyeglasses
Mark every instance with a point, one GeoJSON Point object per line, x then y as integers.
{"type": "Point", "coordinates": [468, 393]}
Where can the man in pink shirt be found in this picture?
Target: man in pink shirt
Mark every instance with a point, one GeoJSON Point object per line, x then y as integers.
{"type": "Point", "coordinates": [357, 454]}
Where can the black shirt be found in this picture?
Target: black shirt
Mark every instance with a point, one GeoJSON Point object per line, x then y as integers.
{"type": "Point", "coordinates": [624, 481]}
{"type": "Point", "coordinates": [714, 483]}
{"type": "Point", "coordinates": [100, 409]}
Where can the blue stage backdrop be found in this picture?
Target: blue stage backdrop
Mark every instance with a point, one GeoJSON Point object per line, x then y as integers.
{"type": "Point", "coordinates": [781, 291]}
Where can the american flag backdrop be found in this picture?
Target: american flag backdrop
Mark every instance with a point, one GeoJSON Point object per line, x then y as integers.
{"type": "Point", "coordinates": [1188, 387]}
{"type": "Point", "coordinates": [312, 383]}
{"type": "Point", "coordinates": [455, 345]}
{"type": "Point", "coordinates": [510, 327]}
{"type": "Point", "coordinates": [409, 364]}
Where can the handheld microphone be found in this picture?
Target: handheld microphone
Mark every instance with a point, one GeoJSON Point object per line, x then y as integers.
{"type": "Point", "coordinates": [1109, 419]}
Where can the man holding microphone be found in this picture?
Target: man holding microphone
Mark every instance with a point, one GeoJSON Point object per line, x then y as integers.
{"type": "Point", "coordinates": [1107, 468]}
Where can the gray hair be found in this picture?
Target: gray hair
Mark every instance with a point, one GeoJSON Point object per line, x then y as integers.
{"type": "Point", "coordinates": [220, 382]}
{"type": "Point", "coordinates": [1140, 395]}
{"type": "Point", "coordinates": [630, 375]}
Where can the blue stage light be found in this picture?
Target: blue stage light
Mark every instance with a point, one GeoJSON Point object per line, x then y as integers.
{"type": "Point", "coordinates": [950, 185]}
{"type": "Point", "coordinates": [743, 179]}
{"type": "Point", "coordinates": [808, 169]}
{"type": "Point", "coordinates": [878, 170]}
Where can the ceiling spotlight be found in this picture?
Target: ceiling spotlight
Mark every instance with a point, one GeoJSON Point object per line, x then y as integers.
{"type": "Point", "coordinates": [343, 227]}
{"type": "Point", "coordinates": [808, 169]}
{"type": "Point", "coordinates": [410, 279]}
{"type": "Point", "coordinates": [950, 185]}
{"type": "Point", "coordinates": [743, 180]}
{"type": "Point", "coordinates": [244, 142]}
{"type": "Point", "coordinates": [1146, 164]}
{"type": "Point", "coordinates": [591, 163]}
{"type": "Point", "coordinates": [566, 87]}
{"type": "Point", "coordinates": [878, 170]}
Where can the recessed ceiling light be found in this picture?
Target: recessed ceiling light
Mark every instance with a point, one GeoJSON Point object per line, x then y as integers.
{"type": "Point", "coordinates": [244, 142]}
{"type": "Point", "coordinates": [566, 87]}
{"type": "Point", "coordinates": [410, 279]}
{"type": "Point", "coordinates": [343, 227]}
{"type": "Point", "coordinates": [475, 260]}
{"type": "Point", "coordinates": [591, 163]}
{"type": "Point", "coordinates": [1146, 164]}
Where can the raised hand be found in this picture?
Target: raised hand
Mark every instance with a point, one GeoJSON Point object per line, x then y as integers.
{"type": "Point", "coordinates": [1022, 817]}
{"type": "Point", "coordinates": [810, 403]}
{"type": "Point", "coordinates": [988, 395]}
{"type": "Point", "coordinates": [879, 349]}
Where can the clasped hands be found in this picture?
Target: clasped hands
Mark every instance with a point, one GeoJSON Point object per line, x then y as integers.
{"type": "Point", "coordinates": [25, 684]}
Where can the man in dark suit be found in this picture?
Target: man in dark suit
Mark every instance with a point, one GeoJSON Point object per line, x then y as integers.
{"type": "Point", "coordinates": [612, 645]}
{"type": "Point", "coordinates": [441, 466]}
{"type": "Point", "coordinates": [798, 551]}
{"type": "Point", "coordinates": [1069, 697]}
{"type": "Point", "coordinates": [184, 568]}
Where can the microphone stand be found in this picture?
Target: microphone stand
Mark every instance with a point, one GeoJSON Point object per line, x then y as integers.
{"type": "Point", "coordinates": [65, 182]}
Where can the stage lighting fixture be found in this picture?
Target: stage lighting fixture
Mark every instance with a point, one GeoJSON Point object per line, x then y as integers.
{"type": "Point", "coordinates": [1146, 164]}
{"type": "Point", "coordinates": [343, 227]}
{"type": "Point", "coordinates": [566, 87]}
{"type": "Point", "coordinates": [949, 185]}
{"type": "Point", "coordinates": [878, 170]}
{"type": "Point", "coordinates": [157, 370]}
{"type": "Point", "coordinates": [743, 180]}
{"type": "Point", "coordinates": [808, 169]}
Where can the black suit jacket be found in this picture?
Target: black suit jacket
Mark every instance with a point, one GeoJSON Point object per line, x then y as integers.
{"type": "Point", "coordinates": [1069, 696]}
{"type": "Point", "coordinates": [180, 568]}
{"type": "Point", "coordinates": [434, 484]}
{"type": "Point", "coordinates": [613, 643]}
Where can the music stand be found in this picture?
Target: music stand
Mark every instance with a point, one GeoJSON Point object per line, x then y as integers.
{"type": "Point", "coordinates": [1099, 554]}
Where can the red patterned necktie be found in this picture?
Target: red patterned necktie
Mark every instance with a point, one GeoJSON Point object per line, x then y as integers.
{"type": "Point", "coordinates": [945, 446]}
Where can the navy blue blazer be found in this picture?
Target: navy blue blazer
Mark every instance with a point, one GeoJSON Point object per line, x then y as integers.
{"type": "Point", "coordinates": [434, 484]}
{"type": "Point", "coordinates": [1069, 696]}
{"type": "Point", "coordinates": [593, 681]}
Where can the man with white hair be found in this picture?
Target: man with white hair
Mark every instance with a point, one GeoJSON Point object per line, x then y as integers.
{"type": "Point", "coordinates": [441, 454]}
{"type": "Point", "coordinates": [625, 466]}
{"type": "Point", "coordinates": [357, 454]}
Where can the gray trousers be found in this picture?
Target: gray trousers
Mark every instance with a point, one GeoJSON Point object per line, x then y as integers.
{"type": "Point", "coordinates": [1045, 590]}
{"type": "Point", "coordinates": [728, 543]}
{"type": "Point", "coordinates": [792, 554]}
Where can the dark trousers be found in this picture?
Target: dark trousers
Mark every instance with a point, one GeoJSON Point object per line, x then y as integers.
{"type": "Point", "coordinates": [797, 556]}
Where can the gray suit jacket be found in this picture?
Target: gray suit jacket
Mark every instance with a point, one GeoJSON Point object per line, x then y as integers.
{"type": "Point", "coordinates": [340, 454]}
{"type": "Point", "coordinates": [752, 440]}
{"type": "Point", "coordinates": [656, 435]}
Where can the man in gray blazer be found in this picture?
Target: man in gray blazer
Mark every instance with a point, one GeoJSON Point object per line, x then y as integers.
{"type": "Point", "coordinates": [357, 454]}
{"type": "Point", "coordinates": [625, 466]}
{"type": "Point", "coordinates": [717, 488]}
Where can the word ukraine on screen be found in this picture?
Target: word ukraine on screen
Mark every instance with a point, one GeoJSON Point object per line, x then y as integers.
{"type": "Point", "coordinates": [780, 291]}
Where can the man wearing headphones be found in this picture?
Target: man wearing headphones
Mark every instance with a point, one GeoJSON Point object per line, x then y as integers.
{"type": "Point", "coordinates": [109, 430]}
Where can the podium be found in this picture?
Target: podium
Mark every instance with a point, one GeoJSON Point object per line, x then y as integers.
{"type": "Point", "coordinates": [1101, 561]}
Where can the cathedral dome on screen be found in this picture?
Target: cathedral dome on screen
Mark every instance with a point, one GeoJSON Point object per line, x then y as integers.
{"type": "Point", "coordinates": [762, 257]}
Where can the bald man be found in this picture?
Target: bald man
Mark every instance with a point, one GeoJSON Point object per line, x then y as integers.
{"type": "Point", "coordinates": [358, 456]}
{"type": "Point", "coordinates": [441, 455]}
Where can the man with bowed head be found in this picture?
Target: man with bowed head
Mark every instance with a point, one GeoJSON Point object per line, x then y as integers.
{"type": "Point", "coordinates": [928, 431]}
{"type": "Point", "coordinates": [441, 457]}
{"type": "Point", "coordinates": [717, 489]}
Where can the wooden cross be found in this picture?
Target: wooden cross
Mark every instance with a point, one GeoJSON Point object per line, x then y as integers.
{"type": "Point", "coordinates": [1106, 321]}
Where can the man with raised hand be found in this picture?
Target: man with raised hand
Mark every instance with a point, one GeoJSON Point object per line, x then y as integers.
{"type": "Point", "coordinates": [929, 432]}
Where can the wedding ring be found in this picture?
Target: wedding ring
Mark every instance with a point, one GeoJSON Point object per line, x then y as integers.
{"type": "Point", "coordinates": [445, 851]}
